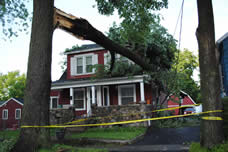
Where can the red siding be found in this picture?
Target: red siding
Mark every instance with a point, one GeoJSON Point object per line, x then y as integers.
{"type": "Point", "coordinates": [186, 101]}
{"type": "Point", "coordinates": [100, 54]}
{"type": "Point", "coordinates": [11, 122]}
{"type": "Point", "coordinates": [113, 89]}
{"type": "Point", "coordinates": [54, 93]}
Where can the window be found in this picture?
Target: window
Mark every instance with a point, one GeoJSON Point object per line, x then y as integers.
{"type": "Point", "coordinates": [79, 98]}
{"type": "Point", "coordinates": [127, 94]}
{"type": "Point", "coordinates": [54, 103]}
{"type": "Point", "coordinates": [79, 65]}
{"type": "Point", "coordinates": [5, 114]}
{"type": "Point", "coordinates": [89, 64]}
{"type": "Point", "coordinates": [18, 114]}
{"type": "Point", "coordinates": [83, 64]}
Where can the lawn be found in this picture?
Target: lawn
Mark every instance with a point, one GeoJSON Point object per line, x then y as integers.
{"type": "Point", "coordinates": [118, 133]}
{"type": "Point", "coordinates": [58, 147]}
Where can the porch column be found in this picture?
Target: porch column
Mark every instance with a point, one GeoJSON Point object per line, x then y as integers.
{"type": "Point", "coordinates": [71, 96]}
{"type": "Point", "coordinates": [142, 93]}
{"type": "Point", "coordinates": [88, 102]}
{"type": "Point", "coordinates": [99, 104]}
{"type": "Point", "coordinates": [93, 95]}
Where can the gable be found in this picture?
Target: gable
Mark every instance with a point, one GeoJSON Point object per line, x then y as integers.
{"type": "Point", "coordinates": [12, 100]}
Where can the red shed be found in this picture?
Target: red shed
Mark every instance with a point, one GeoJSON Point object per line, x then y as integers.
{"type": "Point", "coordinates": [10, 113]}
{"type": "Point", "coordinates": [186, 100]}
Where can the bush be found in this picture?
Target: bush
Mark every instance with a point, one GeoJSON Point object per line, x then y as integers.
{"type": "Point", "coordinates": [7, 144]}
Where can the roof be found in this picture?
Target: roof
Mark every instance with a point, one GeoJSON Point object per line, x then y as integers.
{"type": "Point", "coordinates": [18, 100]}
{"type": "Point", "coordinates": [2, 102]}
{"type": "Point", "coordinates": [84, 82]}
{"type": "Point", "coordinates": [222, 38]}
{"type": "Point", "coordinates": [85, 48]}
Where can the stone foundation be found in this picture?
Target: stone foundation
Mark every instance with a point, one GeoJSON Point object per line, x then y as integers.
{"type": "Point", "coordinates": [117, 113]}
{"type": "Point", "coordinates": [61, 116]}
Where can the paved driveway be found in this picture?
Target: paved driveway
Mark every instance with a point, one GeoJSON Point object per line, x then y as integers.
{"type": "Point", "coordinates": [164, 140]}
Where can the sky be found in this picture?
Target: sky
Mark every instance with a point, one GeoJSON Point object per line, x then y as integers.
{"type": "Point", "coordinates": [14, 53]}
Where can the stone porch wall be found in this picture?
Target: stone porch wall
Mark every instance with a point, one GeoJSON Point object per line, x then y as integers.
{"type": "Point", "coordinates": [115, 113]}
{"type": "Point", "coordinates": [61, 116]}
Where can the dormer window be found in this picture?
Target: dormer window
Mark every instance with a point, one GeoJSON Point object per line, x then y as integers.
{"type": "Point", "coordinates": [82, 64]}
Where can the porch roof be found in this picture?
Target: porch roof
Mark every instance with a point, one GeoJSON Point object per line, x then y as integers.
{"type": "Point", "coordinates": [97, 82]}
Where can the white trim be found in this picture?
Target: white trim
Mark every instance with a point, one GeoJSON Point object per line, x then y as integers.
{"type": "Point", "coordinates": [222, 38]}
{"type": "Point", "coordinates": [87, 83]}
{"type": "Point", "coordinates": [181, 105]}
{"type": "Point", "coordinates": [86, 50]}
{"type": "Point", "coordinates": [99, 102]}
{"type": "Point", "coordinates": [119, 92]}
{"type": "Point", "coordinates": [16, 114]}
{"type": "Point", "coordinates": [3, 114]}
{"type": "Point", "coordinates": [88, 101]}
{"type": "Point", "coordinates": [108, 102]}
{"type": "Point", "coordinates": [71, 96]}
{"type": "Point", "coordinates": [188, 96]}
{"type": "Point", "coordinates": [84, 98]}
{"type": "Point", "coordinates": [51, 104]}
{"type": "Point", "coordinates": [142, 92]}
{"type": "Point", "coordinates": [83, 56]}
{"type": "Point", "coordinates": [14, 100]}
{"type": "Point", "coordinates": [93, 95]}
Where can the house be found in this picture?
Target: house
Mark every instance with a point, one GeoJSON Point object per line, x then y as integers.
{"type": "Point", "coordinates": [10, 113]}
{"type": "Point", "coordinates": [222, 45]}
{"type": "Point", "coordinates": [77, 88]}
{"type": "Point", "coordinates": [184, 100]}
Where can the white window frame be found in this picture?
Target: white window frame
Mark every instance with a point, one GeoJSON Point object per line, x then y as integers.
{"type": "Point", "coordinates": [3, 114]}
{"type": "Point", "coordinates": [83, 56]}
{"type": "Point", "coordinates": [52, 97]}
{"type": "Point", "coordinates": [124, 86]}
{"type": "Point", "coordinates": [84, 99]}
{"type": "Point", "coordinates": [107, 87]}
{"type": "Point", "coordinates": [16, 114]}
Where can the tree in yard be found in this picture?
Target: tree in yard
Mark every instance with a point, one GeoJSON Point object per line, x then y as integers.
{"type": "Point", "coordinates": [37, 92]}
{"type": "Point", "coordinates": [13, 17]}
{"type": "Point", "coordinates": [186, 63]}
{"type": "Point", "coordinates": [12, 85]}
{"type": "Point", "coordinates": [211, 130]}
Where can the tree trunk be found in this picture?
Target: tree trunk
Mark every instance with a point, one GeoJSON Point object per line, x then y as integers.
{"type": "Point", "coordinates": [211, 130]}
{"type": "Point", "coordinates": [37, 92]}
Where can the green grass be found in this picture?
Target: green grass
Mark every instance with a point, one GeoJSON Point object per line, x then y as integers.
{"type": "Point", "coordinates": [67, 148]}
{"type": "Point", "coordinates": [7, 134]}
{"type": "Point", "coordinates": [195, 147]}
{"type": "Point", "coordinates": [118, 133]}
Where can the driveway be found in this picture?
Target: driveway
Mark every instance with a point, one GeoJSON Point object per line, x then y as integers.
{"type": "Point", "coordinates": [164, 139]}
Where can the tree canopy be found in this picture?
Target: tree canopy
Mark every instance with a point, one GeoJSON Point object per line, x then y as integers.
{"type": "Point", "coordinates": [12, 84]}
{"type": "Point", "coordinates": [13, 17]}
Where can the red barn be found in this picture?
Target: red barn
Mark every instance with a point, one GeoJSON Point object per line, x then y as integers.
{"type": "Point", "coordinates": [185, 100]}
{"type": "Point", "coordinates": [10, 113]}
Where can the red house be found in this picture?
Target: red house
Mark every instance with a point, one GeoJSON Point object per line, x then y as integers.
{"type": "Point", "coordinates": [185, 100]}
{"type": "Point", "coordinates": [10, 113]}
{"type": "Point", "coordinates": [77, 88]}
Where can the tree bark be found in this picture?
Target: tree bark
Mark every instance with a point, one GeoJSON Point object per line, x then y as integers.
{"type": "Point", "coordinates": [37, 92]}
{"type": "Point", "coordinates": [211, 130]}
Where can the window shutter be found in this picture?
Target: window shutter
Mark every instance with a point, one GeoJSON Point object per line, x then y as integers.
{"type": "Point", "coordinates": [73, 66]}
{"type": "Point", "coordinates": [95, 60]}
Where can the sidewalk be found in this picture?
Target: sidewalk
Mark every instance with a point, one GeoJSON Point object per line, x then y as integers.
{"type": "Point", "coordinates": [151, 148]}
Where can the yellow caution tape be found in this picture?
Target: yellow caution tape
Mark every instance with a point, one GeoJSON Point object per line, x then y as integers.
{"type": "Point", "coordinates": [130, 114]}
{"type": "Point", "coordinates": [212, 118]}
{"type": "Point", "coordinates": [121, 122]}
